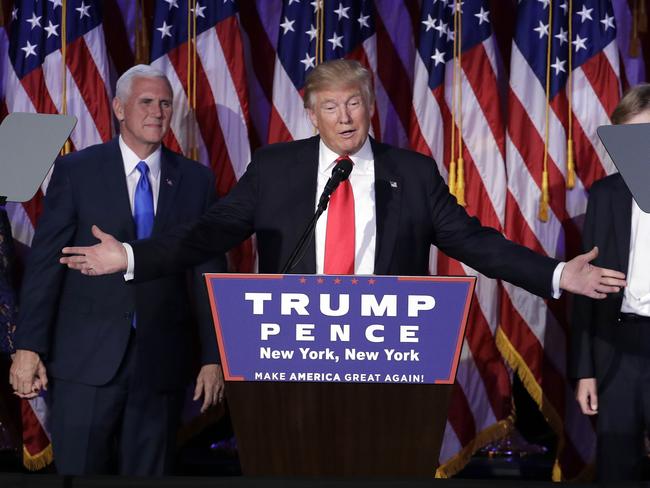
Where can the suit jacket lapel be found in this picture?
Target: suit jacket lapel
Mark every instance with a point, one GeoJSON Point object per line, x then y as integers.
{"type": "Point", "coordinates": [115, 180]}
{"type": "Point", "coordinates": [170, 179]}
{"type": "Point", "coordinates": [303, 183]}
{"type": "Point", "coordinates": [622, 216]}
{"type": "Point", "coordinates": [388, 187]}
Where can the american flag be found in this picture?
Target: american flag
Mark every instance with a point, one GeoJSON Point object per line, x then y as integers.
{"type": "Point", "coordinates": [566, 51]}
{"type": "Point", "coordinates": [35, 81]}
{"type": "Point", "coordinates": [466, 99]}
{"type": "Point", "coordinates": [198, 46]}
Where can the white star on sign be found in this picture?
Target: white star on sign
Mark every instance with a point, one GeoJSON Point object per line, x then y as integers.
{"type": "Point", "coordinates": [363, 21]}
{"type": "Point", "coordinates": [172, 3]}
{"type": "Point", "coordinates": [199, 10]}
{"type": "Point", "coordinates": [558, 66]}
{"type": "Point", "coordinates": [482, 16]}
{"type": "Point", "coordinates": [430, 23]}
{"type": "Point", "coordinates": [608, 22]}
{"type": "Point", "coordinates": [342, 11]}
{"type": "Point", "coordinates": [29, 49]}
{"type": "Point", "coordinates": [165, 30]}
{"type": "Point", "coordinates": [336, 41]}
{"type": "Point", "coordinates": [34, 21]}
{"type": "Point", "coordinates": [56, 3]}
{"type": "Point", "coordinates": [287, 25]}
{"type": "Point", "coordinates": [83, 10]}
{"type": "Point", "coordinates": [438, 57]}
{"type": "Point", "coordinates": [308, 61]}
{"type": "Point", "coordinates": [585, 14]}
{"type": "Point", "coordinates": [51, 29]}
{"type": "Point", "coordinates": [541, 29]}
{"type": "Point", "coordinates": [580, 43]}
{"type": "Point", "coordinates": [562, 36]}
{"type": "Point", "coordinates": [312, 32]}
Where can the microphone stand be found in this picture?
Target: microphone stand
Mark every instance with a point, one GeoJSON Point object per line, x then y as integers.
{"type": "Point", "coordinates": [305, 238]}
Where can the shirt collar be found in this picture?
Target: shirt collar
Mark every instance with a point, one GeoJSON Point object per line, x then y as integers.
{"type": "Point", "coordinates": [131, 160]}
{"type": "Point", "coordinates": [363, 159]}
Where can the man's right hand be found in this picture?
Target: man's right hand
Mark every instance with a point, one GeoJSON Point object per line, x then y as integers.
{"type": "Point", "coordinates": [109, 256]}
{"type": "Point", "coordinates": [587, 395]}
{"type": "Point", "coordinates": [27, 374]}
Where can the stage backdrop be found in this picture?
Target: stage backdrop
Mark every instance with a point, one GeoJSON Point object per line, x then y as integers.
{"type": "Point", "coordinates": [505, 95]}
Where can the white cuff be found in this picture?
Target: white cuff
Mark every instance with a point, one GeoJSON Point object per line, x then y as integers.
{"type": "Point", "coordinates": [130, 262]}
{"type": "Point", "coordinates": [557, 274]}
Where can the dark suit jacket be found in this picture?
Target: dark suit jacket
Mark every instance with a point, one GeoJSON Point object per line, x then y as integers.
{"type": "Point", "coordinates": [81, 325]}
{"type": "Point", "coordinates": [593, 327]}
{"type": "Point", "coordinates": [276, 198]}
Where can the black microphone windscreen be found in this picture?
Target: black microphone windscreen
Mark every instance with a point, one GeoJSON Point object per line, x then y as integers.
{"type": "Point", "coordinates": [342, 169]}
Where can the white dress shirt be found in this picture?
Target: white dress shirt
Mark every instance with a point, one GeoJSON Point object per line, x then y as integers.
{"type": "Point", "coordinates": [362, 180]}
{"type": "Point", "coordinates": [131, 160]}
{"type": "Point", "coordinates": [636, 297]}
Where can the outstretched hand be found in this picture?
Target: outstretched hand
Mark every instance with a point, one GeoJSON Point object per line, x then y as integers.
{"type": "Point", "coordinates": [109, 256]}
{"type": "Point", "coordinates": [582, 278]}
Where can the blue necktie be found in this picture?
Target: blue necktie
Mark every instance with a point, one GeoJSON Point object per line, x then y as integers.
{"type": "Point", "coordinates": [143, 203]}
{"type": "Point", "coordinates": [142, 208]}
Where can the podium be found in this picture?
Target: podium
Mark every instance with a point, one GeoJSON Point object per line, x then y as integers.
{"type": "Point", "coordinates": [308, 396]}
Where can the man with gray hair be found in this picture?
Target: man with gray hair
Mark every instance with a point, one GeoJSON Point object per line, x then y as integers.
{"type": "Point", "coordinates": [117, 355]}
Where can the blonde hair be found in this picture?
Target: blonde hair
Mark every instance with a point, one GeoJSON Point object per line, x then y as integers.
{"type": "Point", "coordinates": [635, 101]}
{"type": "Point", "coordinates": [338, 73]}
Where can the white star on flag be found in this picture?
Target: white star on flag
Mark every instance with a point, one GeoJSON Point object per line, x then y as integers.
{"type": "Point", "coordinates": [51, 29]}
{"type": "Point", "coordinates": [172, 3]}
{"type": "Point", "coordinates": [558, 66]}
{"type": "Point", "coordinates": [545, 3]}
{"type": "Point", "coordinates": [290, 2]}
{"type": "Point", "coordinates": [363, 21]}
{"type": "Point", "coordinates": [608, 22]}
{"type": "Point", "coordinates": [312, 32]}
{"type": "Point", "coordinates": [165, 30]}
{"type": "Point", "coordinates": [56, 3]}
{"type": "Point", "coordinates": [441, 28]}
{"type": "Point", "coordinates": [585, 14]}
{"type": "Point", "coordinates": [565, 7]}
{"type": "Point", "coordinates": [430, 23]}
{"type": "Point", "coordinates": [34, 21]}
{"type": "Point", "coordinates": [317, 4]}
{"type": "Point", "coordinates": [342, 11]}
{"type": "Point", "coordinates": [83, 10]}
{"type": "Point", "coordinates": [450, 34]}
{"type": "Point", "coordinates": [482, 16]}
{"type": "Point", "coordinates": [580, 43]}
{"type": "Point", "coordinates": [29, 49]}
{"type": "Point", "coordinates": [562, 36]}
{"type": "Point", "coordinates": [14, 14]}
{"type": "Point", "coordinates": [308, 61]}
{"type": "Point", "coordinates": [199, 10]}
{"type": "Point", "coordinates": [336, 41]}
{"type": "Point", "coordinates": [438, 57]}
{"type": "Point", "coordinates": [287, 25]}
{"type": "Point", "coordinates": [541, 29]}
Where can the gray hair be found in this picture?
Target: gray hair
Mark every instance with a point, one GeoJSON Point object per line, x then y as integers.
{"type": "Point", "coordinates": [124, 82]}
{"type": "Point", "coordinates": [338, 73]}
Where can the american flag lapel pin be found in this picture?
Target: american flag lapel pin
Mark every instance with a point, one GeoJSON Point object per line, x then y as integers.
{"type": "Point", "coordinates": [393, 184]}
{"type": "Point", "coordinates": [169, 182]}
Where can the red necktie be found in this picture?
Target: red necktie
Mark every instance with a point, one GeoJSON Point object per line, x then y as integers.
{"type": "Point", "coordinates": [339, 236]}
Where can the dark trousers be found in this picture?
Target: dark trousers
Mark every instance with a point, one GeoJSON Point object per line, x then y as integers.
{"type": "Point", "coordinates": [114, 428]}
{"type": "Point", "coordinates": [624, 404]}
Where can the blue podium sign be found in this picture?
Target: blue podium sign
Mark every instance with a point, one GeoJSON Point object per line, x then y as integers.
{"type": "Point", "coordinates": [349, 329]}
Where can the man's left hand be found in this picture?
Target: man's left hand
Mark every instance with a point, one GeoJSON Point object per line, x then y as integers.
{"type": "Point", "coordinates": [582, 278]}
{"type": "Point", "coordinates": [209, 383]}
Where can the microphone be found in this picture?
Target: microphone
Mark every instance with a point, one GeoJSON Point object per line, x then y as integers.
{"type": "Point", "coordinates": [340, 173]}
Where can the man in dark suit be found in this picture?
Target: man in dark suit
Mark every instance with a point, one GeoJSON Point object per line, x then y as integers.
{"type": "Point", "coordinates": [393, 207]}
{"type": "Point", "coordinates": [117, 354]}
{"type": "Point", "coordinates": [610, 339]}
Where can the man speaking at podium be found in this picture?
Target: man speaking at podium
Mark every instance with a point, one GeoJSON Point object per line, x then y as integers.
{"type": "Point", "coordinates": [381, 220]}
{"type": "Point", "coordinates": [118, 355]}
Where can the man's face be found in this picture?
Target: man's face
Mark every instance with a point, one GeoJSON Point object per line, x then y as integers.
{"type": "Point", "coordinates": [342, 116]}
{"type": "Point", "coordinates": [146, 114]}
{"type": "Point", "coordinates": [640, 118]}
